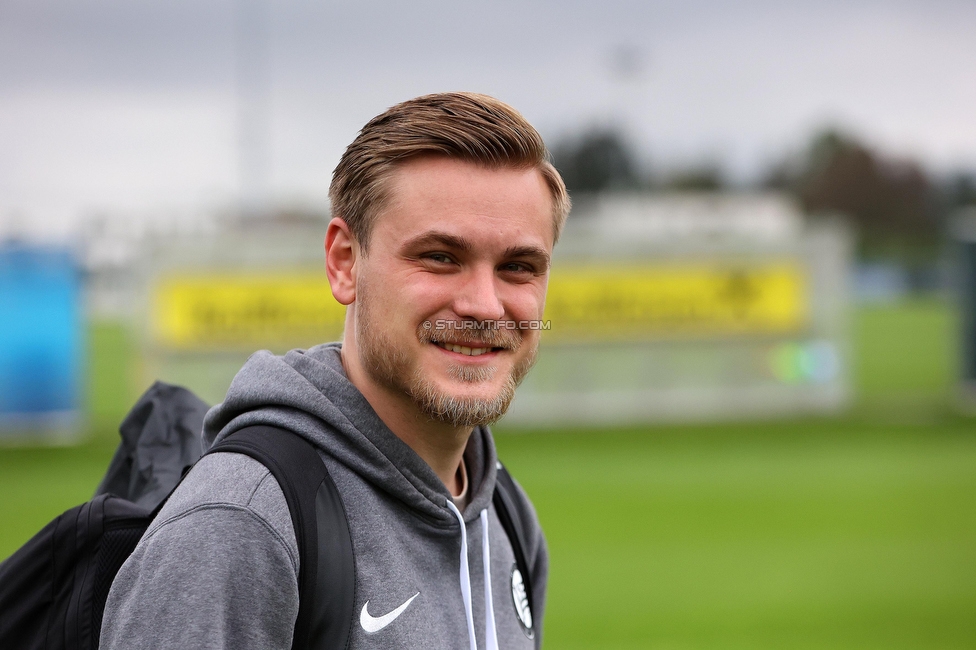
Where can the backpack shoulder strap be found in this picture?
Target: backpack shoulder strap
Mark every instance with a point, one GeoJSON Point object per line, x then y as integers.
{"type": "Point", "coordinates": [327, 580]}
{"type": "Point", "coordinates": [517, 521]}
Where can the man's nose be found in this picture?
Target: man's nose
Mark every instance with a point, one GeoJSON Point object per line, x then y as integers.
{"type": "Point", "coordinates": [478, 297]}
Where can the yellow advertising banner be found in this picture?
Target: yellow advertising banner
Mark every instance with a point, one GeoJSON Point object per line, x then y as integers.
{"type": "Point", "coordinates": [585, 303]}
{"type": "Point", "coordinates": [245, 311]}
{"type": "Point", "coordinates": [646, 302]}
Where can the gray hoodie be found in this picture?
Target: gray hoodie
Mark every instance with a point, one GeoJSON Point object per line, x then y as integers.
{"type": "Point", "coordinates": [218, 567]}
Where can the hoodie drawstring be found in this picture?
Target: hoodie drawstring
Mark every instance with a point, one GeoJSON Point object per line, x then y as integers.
{"type": "Point", "coordinates": [491, 641]}
{"type": "Point", "coordinates": [491, 638]}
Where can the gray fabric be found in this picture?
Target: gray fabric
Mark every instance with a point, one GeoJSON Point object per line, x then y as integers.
{"type": "Point", "coordinates": [229, 513]}
{"type": "Point", "coordinates": [160, 437]}
{"type": "Point", "coordinates": [237, 557]}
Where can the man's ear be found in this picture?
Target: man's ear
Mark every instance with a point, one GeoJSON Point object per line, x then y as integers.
{"type": "Point", "coordinates": [341, 260]}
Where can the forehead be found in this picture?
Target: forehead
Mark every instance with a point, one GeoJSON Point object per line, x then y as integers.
{"type": "Point", "coordinates": [465, 199]}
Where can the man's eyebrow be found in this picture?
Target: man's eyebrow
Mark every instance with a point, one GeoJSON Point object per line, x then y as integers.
{"type": "Point", "coordinates": [433, 238]}
{"type": "Point", "coordinates": [528, 251]}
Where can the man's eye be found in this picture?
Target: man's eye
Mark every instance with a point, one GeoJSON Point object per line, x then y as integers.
{"type": "Point", "coordinates": [517, 267]}
{"type": "Point", "coordinates": [440, 258]}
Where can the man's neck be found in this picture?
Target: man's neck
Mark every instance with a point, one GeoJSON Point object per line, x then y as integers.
{"type": "Point", "coordinates": [439, 444]}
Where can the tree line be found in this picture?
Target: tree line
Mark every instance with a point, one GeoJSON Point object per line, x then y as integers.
{"type": "Point", "coordinates": [899, 209]}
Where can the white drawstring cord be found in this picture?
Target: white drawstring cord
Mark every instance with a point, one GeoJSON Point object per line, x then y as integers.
{"type": "Point", "coordinates": [491, 640]}
{"type": "Point", "coordinates": [465, 578]}
{"type": "Point", "coordinates": [491, 637]}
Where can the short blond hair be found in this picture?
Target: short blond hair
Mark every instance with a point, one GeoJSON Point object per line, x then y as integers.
{"type": "Point", "coordinates": [464, 126]}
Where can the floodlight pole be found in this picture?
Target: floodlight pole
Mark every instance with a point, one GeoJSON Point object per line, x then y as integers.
{"type": "Point", "coordinates": [253, 80]}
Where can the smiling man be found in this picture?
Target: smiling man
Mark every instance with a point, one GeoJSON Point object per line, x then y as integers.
{"type": "Point", "coordinates": [446, 211]}
{"type": "Point", "coordinates": [458, 243]}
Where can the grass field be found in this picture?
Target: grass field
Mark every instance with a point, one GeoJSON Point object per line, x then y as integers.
{"type": "Point", "coordinates": [850, 532]}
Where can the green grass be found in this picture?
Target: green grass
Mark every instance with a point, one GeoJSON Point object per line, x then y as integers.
{"type": "Point", "coordinates": [111, 386]}
{"type": "Point", "coordinates": [849, 532]}
{"type": "Point", "coordinates": [906, 361]}
{"type": "Point", "coordinates": [906, 348]}
{"type": "Point", "coordinates": [819, 535]}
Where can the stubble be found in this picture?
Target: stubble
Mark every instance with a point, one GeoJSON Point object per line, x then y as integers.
{"type": "Point", "coordinates": [391, 368]}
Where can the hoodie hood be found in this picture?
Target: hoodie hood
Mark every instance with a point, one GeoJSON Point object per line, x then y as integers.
{"type": "Point", "coordinates": [308, 393]}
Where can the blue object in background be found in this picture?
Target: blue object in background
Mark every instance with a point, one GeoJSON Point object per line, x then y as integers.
{"type": "Point", "coordinates": [40, 335]}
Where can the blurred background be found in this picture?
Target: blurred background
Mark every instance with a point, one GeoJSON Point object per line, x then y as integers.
{"type": "Point", "coordinates": [752, 423]}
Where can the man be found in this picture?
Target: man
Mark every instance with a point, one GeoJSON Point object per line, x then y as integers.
{"type": "Point", "coordinates": [446, 211]}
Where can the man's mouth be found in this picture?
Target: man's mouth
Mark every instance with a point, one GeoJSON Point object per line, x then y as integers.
{"type": "Point", "coordinates": [464, 349]}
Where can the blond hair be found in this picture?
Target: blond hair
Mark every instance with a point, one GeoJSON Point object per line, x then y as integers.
{"type": "Point", "coordinates": [464, 126]}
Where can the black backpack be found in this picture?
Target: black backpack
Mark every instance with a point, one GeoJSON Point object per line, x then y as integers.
{"type": "Point", "coordinates": [53, 589]}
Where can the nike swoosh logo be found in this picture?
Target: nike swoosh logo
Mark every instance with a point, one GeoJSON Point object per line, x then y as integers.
{"type": "Point", "coordinates": [373, 624]}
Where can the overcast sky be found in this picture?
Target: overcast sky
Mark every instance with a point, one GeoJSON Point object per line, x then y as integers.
{"type": "Point", "coordinates": [130, 106]}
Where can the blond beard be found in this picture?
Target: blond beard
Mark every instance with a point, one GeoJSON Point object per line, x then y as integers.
{"type": "Point", "coordinates": [390, 368]}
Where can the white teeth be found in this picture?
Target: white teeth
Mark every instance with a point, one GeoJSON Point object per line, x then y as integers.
{"type": "Point", "coordinates": [460, 349]}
